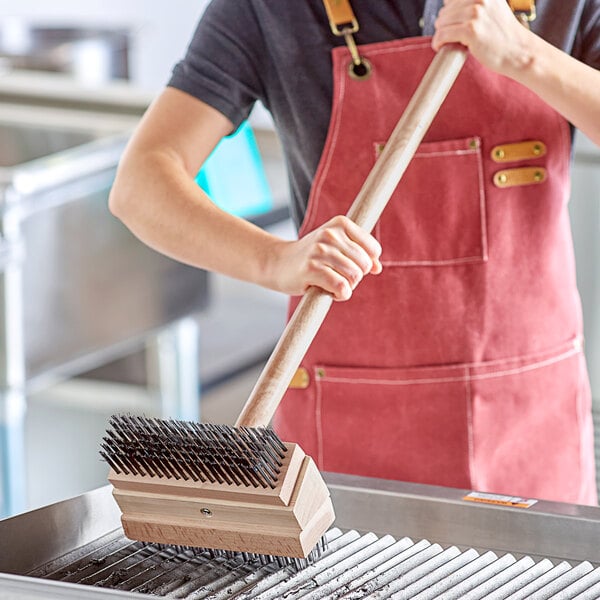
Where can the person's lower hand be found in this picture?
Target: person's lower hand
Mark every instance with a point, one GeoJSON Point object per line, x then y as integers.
{"type": "Point", "coordinates": [335, 257]}
{"type": "Point", "coordinates": [487, 28]}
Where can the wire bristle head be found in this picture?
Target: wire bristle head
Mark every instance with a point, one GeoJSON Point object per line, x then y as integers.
{"type": "Point", "coordinates": [197, 451]}
{"type": "Point", "coordinates": [264, 559]}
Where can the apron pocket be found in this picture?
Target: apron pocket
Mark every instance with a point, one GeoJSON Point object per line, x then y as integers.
{"type": "Point", "coordinates": [436, 215]}
{"type": "Point", "coordinates": [532, 430]}
{"type": "Point", "coordinates": [403, 424]}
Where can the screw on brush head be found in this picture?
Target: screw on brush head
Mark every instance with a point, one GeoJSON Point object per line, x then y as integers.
{"type": "Point", "coordinates": [197, 451]}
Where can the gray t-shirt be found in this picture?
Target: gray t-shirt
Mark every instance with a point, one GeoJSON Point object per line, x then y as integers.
{"type": "Point", "coordinates": [279, 52]}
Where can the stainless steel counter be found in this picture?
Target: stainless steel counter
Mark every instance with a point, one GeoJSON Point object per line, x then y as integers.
{"type": "Point", "coordinates": [51, 552]}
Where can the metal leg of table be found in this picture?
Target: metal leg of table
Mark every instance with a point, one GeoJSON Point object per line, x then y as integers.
{"type": "Point", "coordinates": [174, 356]}
{"type": "Point", "coordinates": [13, 497]}
{"type": "Point", "coordinates": [13, 401]}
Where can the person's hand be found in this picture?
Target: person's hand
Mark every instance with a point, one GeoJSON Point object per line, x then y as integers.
{"type": "Point", "coordinates": [487, 28]}
{"type": "Point", "coordinates": [334, 257]}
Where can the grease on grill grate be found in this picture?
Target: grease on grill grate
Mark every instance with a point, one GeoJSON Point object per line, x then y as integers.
{"type": "Point", "coordinates": [353, 566]}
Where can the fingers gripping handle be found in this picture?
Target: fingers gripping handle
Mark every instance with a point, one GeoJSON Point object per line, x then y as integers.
{"type": "Point", "coordinates": [365, 211]}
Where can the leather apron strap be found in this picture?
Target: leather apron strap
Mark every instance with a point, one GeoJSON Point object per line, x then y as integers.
{"type": "Point", "coordinates": [524, 10]}
{"type": "Point", "coordinates": [343, 22]}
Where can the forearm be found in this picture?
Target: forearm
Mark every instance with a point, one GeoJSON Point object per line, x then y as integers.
{"type": "Point", "coordinates": [497, 40]}
{"type": "Point", "coordinates": [569, 86]}
{"type": "Point", "coordinates": [161, 204]}
{"type": "Point", "coordinates": [155, 195]}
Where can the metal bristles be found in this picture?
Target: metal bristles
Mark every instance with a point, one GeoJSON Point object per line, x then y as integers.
{"type": "Point", "coordinates": [263, 559]}
{"type": "Point", "coordinates": [197, 451]}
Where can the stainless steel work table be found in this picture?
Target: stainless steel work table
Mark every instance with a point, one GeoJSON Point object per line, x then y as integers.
{"type": "Point", "coordinates": [55, 551]}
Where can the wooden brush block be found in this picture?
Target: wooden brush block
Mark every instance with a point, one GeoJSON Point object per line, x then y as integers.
{"type": "Point", "coordinates": [218, 491]}
{"type": "Point", "coordinates": [287, 521]}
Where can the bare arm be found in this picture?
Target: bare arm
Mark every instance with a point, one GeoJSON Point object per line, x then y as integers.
{"type": "Point", "coordinates": [492, 34]}
{"type": "Point", "coordinates": [155, 195]}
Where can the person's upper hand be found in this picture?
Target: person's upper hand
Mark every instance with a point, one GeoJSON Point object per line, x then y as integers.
{"type": "Point", "coordinates": [334, 257]}
{"type": "Point", "coordinates": [487, 28]}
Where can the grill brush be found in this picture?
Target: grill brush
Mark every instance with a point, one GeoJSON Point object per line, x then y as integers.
{"type": "Point", "coordinates": [204, 489]}
{"type": "Point", "coordinates": [215, 487]}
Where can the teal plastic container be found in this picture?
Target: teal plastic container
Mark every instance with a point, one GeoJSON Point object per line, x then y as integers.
{"type": "Point", "coordinates": [234, 176]}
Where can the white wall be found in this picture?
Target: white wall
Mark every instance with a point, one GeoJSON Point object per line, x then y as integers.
{"type": "Point", "coordinates": [161, 28]}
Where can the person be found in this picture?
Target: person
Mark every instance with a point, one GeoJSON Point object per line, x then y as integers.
{"type": "Point", "coordinates": [460, 361]}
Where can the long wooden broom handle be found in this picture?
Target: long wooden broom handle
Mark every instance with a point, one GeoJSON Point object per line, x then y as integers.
{"type": "Point", "coordinates": [365, 211]}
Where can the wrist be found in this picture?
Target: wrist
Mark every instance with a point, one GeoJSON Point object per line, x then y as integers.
{"type": "Point", "coordinates": [520, 63]}
{"type": "Point", "coordinates": [270, 263]}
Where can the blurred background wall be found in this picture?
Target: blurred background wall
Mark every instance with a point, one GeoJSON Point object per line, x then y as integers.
{"type": "Point", "coordinates": [158, 31]}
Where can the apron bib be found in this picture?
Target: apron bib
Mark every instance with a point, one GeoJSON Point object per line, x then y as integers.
{"type": "Point", "coordinates": [461, 364]}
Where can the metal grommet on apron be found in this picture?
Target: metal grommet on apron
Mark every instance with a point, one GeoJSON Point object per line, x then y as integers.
{"type": "Point", "coordinates": [344, 24]}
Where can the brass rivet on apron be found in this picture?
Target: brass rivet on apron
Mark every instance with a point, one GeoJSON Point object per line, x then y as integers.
{"type": "Point", "coordinates": [300, 380]}
{"type": "Point", "coordinates": [518, 151]}
{"type": "Point", "coordinates": [360, 71]}
{"type": "Point", "coordinates": [520, 176]}
{"type": "Point", "coordinates": [473, 143]}
{"type": "Point", "coordinates": [320, 372]}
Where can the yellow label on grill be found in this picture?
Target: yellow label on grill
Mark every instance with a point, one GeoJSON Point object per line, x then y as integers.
{"type": "Point", "coordinates": [513, 501]}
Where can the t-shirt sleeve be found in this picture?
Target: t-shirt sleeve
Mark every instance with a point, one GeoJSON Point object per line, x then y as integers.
{"type": "Point", "coordinates": [589, 34]}
{"type": "Point", "coordinates": [221, 65]}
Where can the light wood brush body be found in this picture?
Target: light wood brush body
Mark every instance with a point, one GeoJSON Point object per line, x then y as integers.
{"type": "Point", "coordinates": [282, 513]}
{"type": "Point", "coordinates": [288, 517]}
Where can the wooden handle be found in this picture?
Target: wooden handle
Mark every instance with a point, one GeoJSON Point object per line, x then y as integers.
{"type": "Point", "coordinates": [365, 211]}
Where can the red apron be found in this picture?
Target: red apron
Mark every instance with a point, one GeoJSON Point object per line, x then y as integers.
{"type": "Point", "coordinates": [461, 364]}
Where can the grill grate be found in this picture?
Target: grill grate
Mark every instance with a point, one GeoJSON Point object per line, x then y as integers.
{"type": "Point", "coordinates": [353, 566]}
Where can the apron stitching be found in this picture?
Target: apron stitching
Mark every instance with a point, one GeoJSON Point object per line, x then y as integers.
{"type": "Point", "coordinates": [445, 153]}
{"type": "Point", "coordinates": [313, 200]}
{"type": "Point", "coordinates": [578, 400]}
{"type": "Point", "coordinates": [566, 138]}
{"type": "Point", "coordinates": [583, 431]}
{"type": "Point", "coordinates": [532, 367]}
{"type": "Point", "coordinates": [470, 440]}
{"type": "Point", "coordinates": [425, 154]}
{"type": "Point", "coordinates": [514, 371]}
{"type": "Point", "coordinates": [392, 381]}
{"type": "Point", "coordinates": [318, 422]}
{"type": "Point", "coordinates": [574, 344]}
{"type": "Point", "coordinates": [482, 207]}
{"type": "Point", "coordinates": [442, 261]}
{"type": "Point", "coordinates": [408, 48]}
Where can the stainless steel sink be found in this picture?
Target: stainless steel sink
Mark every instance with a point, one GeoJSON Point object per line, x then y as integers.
{"type": "Point", "coordinates": [77, 289]}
